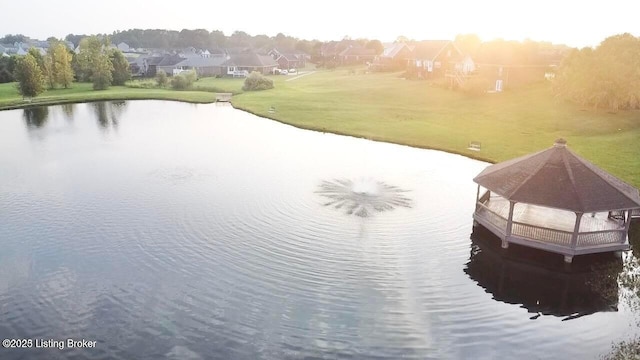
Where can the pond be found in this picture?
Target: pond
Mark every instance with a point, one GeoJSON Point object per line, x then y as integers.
{"type": "Point", "coordinates": [180, 231]}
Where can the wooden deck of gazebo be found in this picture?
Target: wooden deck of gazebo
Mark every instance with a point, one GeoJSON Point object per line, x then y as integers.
{"type": "Point", "coordinates": [551, 229]}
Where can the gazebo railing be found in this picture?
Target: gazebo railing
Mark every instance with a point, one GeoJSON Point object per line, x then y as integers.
{"type": "Point", "coordinates": [522, 232]}
{"type": "Point", "coordinates": [539, 233]}
{"type": "Point", "coordinates": [635, 213]}
{"type": "Point", "coordinates": [604, 237]}
{"type": "Point", "coordinates": [492, 216]}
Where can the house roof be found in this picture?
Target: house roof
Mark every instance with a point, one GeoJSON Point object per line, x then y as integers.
{"type": "Point", "coordinates": [355, 50]}
{"type": "Point", "coordinates": [391, 50]}
{"type": "Point", "coordinates": [170, 60]}
{"type": "Point", "coordinates": [154, 60]}
{"type": "Point", "coordinates": [558, 178]}
{"type": "Point", "coordinates": [290, 53]}
{"type": "Point", "coordinates": [430, 49]}
{"type": "Point", "coordinates": [198, 62]}
{"type": "Point", "coordinates": [250, 59]}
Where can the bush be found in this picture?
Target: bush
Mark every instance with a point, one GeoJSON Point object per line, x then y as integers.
{"type": "Point", "coordinates": [184, 80]}
{"type": "Point", "coordinates": [257, 81]}
{"type": "Point", "coordinates": [161, 79]}
{"type": "Point", "coordinates": [141, 84]}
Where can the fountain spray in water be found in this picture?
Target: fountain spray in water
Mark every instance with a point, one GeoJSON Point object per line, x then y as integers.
{"type": "Point", "coordinates": [363, 197]}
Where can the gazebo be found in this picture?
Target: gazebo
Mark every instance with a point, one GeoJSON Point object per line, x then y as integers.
{"type": "Point", "coordinates": [556, 201]}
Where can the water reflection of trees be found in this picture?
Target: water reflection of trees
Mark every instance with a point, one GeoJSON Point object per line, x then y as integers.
{"type": "Point", "coordinates": [629, 280]}
{"type": "Point", "coordinates": [108, 113]}
{"type": "Point", "coordinates": [35, 117]}
{"type": "Point", "coordinates": [67, 110]}
{"type": "Point", "coordinates": [542, 284]}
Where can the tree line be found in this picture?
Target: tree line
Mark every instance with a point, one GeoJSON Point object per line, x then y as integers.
{"type": "Point", "coordinates": [95, 62]}
{"type": "Point", "coordinates": [605, 77]}
{"type": "Point", "coordinates": [200, 39]}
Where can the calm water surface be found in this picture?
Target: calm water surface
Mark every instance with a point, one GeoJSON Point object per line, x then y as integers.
{"type": "Point", "coordinates": [170, 230]}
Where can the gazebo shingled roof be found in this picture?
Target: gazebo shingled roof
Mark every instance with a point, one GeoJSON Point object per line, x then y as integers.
{"type": "Point", "coordinates": [558, 178]}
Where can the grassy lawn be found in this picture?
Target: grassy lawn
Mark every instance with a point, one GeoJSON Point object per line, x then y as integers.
{"type": "Point", "coordinates": [82, 92]}
{"type": "Point", "coordinates": [387, 108]}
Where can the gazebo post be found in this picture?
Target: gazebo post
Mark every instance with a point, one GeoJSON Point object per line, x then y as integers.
{"type": "Point", "coordinates": [505, 242]}
{"type": "Point", "coordinates": [477, 204]}
{"type": "Point", "coordinates": [574, 237]}
{"type": "Point", "coordinates": [627, 224]}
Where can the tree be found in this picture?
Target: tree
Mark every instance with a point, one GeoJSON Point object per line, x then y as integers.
{"type": "Point", "coordinates": [605, 77]}
{"type": "Point", "coordinates": [11, 39]}
{"type": "Point", "coordinates": [61, 64]}
{"type": "Point", "coordinates": [218, 38]}
{"type": "Point", "coordinates": [75, 39]}
{"type": "Point", "coordinates": [90, 49]}
{"type": "Point", "coordinates": [376, 45]}
{"type": "Point", "coordinates": [29, 77]}
{"type": "Point", "coordinates": [102, 72]}
{"type": "Point", "coordinates": [468, 43]}
{"type": "Point", "coordinates": [7, 68]}
{"type": "Point", "coordinates": [48, 71]}
{"type": "Point", "coordinates": [38, 56]}
{"type": "Point", "coordinates": [121, 72]}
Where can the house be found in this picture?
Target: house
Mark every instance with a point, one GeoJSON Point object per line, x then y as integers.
{"type": "Point", "coordinates": [288, 58]}
{"type": "Point", "coordinates": [240, 64]}
{"type": "Point", "coordinates": [331, 50]}
{"type": "Point", "coordinates": [123, 47]}
{"type": "Point", "coordinates": [204, 66]}
{"type": "Point", "coordinates": [137, 65]}
{"type": "Point", "coordinates": [150, 65]}
{"type": "Point", "coordinates": [394, 57]}
{"type": "Point", "coordinates": [8, 49]}
{"type": "Point", "coordinates": [432, 58]}
{"type": "Point", "coordinates": [167, 64]}
{"type": "Point", "coordinates": [356, 54]}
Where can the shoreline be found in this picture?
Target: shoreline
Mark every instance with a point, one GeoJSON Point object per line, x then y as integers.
{"type": "Point", "coordinates": [115, 98]}
{"type": "Point", "coordinates": [247, 110]}
{"type": "Point", "coordinates": [377, 139]}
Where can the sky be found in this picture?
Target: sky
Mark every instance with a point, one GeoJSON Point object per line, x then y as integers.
{"type": "Point", "coordinates": [577, 24]}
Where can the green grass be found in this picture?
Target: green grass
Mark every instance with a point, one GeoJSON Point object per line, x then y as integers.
{"type": "Point", "coordinates": [387, 108]}
{"type": "Point", "coordinates": [83, 92]}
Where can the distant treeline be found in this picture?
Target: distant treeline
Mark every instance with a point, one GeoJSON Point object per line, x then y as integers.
{"type": "Point", "coordinates": [605, 77]}
{"type": "Point", "coordinates": [200, 39]}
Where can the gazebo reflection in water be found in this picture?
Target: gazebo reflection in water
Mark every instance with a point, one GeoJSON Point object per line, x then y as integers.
{"type": "Point", "coordinates": [543, 284]}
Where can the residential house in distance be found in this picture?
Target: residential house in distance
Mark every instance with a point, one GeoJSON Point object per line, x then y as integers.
{"type": "Point", "coordinates": [8, 50]}
{"type": "Point", "coordinates": [346, 52]}
{"type": "Point", "coordinates": [356, 54]}
{"type": "Point", "coordinates": [240, 64]}
{"type": "Point", "coordinates": [289, 58]}
{"type": "Point", "coordinates": [329, 50]}
{"type": "Point", "coordinates": [167, 64]}
{"type": "Point", "coordinates": [434, 58]}
{"type": "Point", "coordinates": [204, 66]}
{"type": "Point", "coordinates": [395, 56]}
{"type": "Point", "coordinates": [123, 47]}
